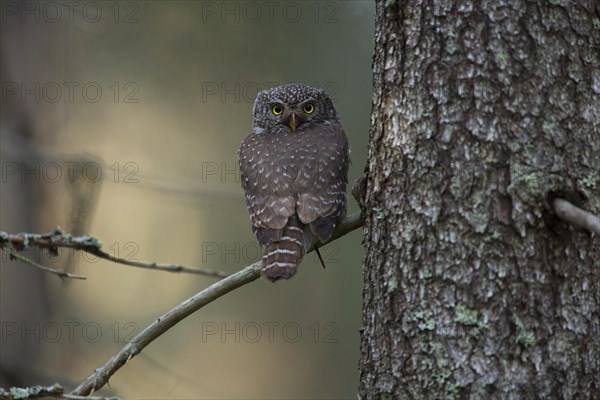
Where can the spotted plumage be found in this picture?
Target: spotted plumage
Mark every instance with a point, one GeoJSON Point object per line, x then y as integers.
{"type": "Point", "coordinates": [294, 168]}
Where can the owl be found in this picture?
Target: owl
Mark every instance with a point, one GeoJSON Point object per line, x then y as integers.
{"type": "Point", "coordinates": [294, 168]}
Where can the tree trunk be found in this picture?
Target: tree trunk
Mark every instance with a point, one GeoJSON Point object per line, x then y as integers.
{"type": "Point", "coordinates": [482, 113]}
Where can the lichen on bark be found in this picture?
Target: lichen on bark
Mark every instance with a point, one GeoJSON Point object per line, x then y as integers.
{"type": "Point", "coordinates": [482, 113]}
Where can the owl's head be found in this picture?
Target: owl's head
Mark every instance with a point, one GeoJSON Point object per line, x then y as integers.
{"type": "Point", "coordinates": [291, 107]}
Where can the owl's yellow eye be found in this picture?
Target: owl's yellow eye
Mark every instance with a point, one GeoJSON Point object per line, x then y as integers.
{"type": "Point", "coordinates": [308, 108]}
{"type": "Point", "coordinates": [277, 109]}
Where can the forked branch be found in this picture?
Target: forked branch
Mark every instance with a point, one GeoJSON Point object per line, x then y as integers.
{"type": "Point", "coordinates": [89, 244]}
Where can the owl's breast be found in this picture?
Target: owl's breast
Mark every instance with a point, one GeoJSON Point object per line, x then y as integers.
{"type": "Point", "coordinates": [316, 153]}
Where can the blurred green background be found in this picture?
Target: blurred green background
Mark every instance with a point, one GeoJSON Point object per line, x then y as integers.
{"type": "Point", "coordinates": [122, 121]}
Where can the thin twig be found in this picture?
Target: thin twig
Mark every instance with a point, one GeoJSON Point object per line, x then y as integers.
{"type": "Point", "coordinates": [162, 267]}
{"type": "Point", "coordinates": [59, 272]}
{"type": "Point", "coordinates": [57, 238]}
{"type": "Point", "coordinates": [576, 216]}
{"type": "Point", "coordinates": [249, 274]}
{"type": "Point", "coordinates": [74, 397]}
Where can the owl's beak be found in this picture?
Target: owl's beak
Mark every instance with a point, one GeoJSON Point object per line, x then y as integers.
{"type": "Point", "coordinates": [293, 122]}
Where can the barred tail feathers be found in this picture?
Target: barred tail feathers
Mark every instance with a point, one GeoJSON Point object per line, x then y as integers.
{"type": "Point", "coordinates": [281, 258]}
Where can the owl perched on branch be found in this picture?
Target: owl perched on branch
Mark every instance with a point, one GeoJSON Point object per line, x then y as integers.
{"type": "Point", "coordinates": [294, 168]}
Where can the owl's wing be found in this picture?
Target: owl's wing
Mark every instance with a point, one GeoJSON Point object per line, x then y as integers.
{"type": "Point", "coordinates": [321, 201]}
{"type": "Point", "coordinates": [269, 190]}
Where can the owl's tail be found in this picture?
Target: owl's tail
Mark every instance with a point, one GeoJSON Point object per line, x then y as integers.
{"type": "Point", "coordinates": [281, 258]}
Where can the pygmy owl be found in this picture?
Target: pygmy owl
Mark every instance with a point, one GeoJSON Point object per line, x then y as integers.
{"type": "Point", "coordinates": [294, 168]}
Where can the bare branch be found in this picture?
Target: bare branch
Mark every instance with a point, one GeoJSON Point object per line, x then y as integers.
{"type": "Point", "coordinates": [249, 274]}
{"type": "Point", "coordinates": [74, 397]}
{"type": "Point", "coordinates": [57, 238]}
{"type": "Point", "coordinates": [33, 392]}
{"type": "Point", "coordinates": [59, 272]}
{"type": "Point", "coordinates": [162, 267]}
{"type": "Point", "coordinates": [576, 216]}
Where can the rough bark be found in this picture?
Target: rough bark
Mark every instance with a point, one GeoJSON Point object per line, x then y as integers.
{"type": "Point", "coordinates": [483, 112]}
